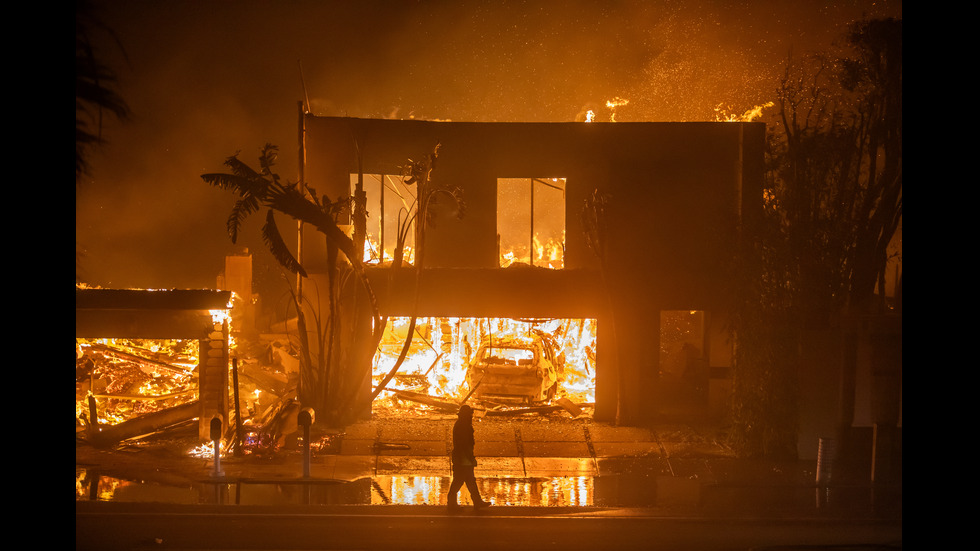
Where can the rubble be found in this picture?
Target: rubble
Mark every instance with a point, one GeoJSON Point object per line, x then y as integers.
{"type": "Point", "coordinates": [115, 405]}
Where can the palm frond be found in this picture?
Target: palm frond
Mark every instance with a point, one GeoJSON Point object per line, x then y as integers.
{"type": "Point", "coordinates": [273, 240]}
{"type": "Point", "coordinates": [95, 87]}
{"type": "Point", "coordinates": [290, 201]}
{"type": "Point", "coordinates": [270, 153]}
{"type": "Point", "coordinates": [242, 209]}
{"type": "Point", "coordinates": [239, 168]}
{"type": "Point", "coordinates": [234, 182]}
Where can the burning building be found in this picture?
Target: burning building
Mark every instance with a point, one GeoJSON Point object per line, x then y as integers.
{"type": "Point", "coordinates": [146, 359]}
{"type": "Point", "coordinates": [596, 231]}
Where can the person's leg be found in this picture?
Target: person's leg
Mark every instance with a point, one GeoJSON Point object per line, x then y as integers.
{"type": "Point", "coordinates": [472, 487]}
{"type": "Point", "coordinates": [454, 488]}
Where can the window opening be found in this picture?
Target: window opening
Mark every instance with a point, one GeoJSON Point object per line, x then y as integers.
{"type": "Point", "coordinates": [389, 202]}
{"type": "Point", "coordinates": [531, 222]}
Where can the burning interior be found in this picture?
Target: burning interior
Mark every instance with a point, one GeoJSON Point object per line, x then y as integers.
{"type": "Point", "coordinates": [494, 362]}
{"type": "Point", "coordinates": [531, 222]}
{"type": "Point", "coordinates": [149, 359]}
{"type": "Point", "coordinates": [134, 377]}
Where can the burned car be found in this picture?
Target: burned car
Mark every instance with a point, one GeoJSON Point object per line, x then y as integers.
{"type": "Point", "coordinates": [525, 368]}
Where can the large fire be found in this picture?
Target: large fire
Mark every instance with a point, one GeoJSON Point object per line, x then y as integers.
{"type": "Point", "coordinates": [120, 380]}
{"type": "Point", "coordinates": [128, 378]}
{"type": "Point", "coordinates": [131, 377]}
{"type": "Point", "coordinates": [444, 349]}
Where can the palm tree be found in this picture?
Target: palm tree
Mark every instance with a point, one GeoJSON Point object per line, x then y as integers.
{"type": "Point", "coordinates": [94, 94]}
{"type": "Point", "coordinates": [417, 216]}
{"type": "Point", "coordinates": [263, 189]}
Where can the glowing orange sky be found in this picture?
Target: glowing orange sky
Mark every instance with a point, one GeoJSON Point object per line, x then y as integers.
{"type": "Point", "coordinates": [205, 79]}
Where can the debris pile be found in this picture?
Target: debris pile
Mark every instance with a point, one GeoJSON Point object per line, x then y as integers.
{"type": "Point", "coordinates": [129, 389]}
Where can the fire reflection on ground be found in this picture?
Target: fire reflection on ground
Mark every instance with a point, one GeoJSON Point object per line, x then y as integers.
{"type": "Point", "coordinates": [557, 491]}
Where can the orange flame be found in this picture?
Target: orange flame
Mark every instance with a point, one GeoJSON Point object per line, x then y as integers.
{"type": "Point", "coordinates": [613, 104]}
{"type": "Point", "coordinates": [442, 349]}
{"type": "Point", "coordinates": [722, 114]}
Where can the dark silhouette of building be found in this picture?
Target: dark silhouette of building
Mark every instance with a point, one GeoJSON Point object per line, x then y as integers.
{"type": "Point", "coordinates": [676, 196]}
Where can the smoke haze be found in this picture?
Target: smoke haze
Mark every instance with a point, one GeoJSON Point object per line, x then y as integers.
{"type": "Point", "coordinates": [206, 79]}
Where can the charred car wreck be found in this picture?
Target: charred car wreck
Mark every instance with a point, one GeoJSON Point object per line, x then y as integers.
{"type": "Point", "coordinates": [527, 369]}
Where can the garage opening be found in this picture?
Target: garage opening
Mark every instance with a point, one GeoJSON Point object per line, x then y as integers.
{"type": "Point", "coordinates": [495, 363]}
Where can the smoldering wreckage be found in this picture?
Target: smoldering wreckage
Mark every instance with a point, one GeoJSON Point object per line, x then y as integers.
{"type": "Point", "coordinates": [580, 336]}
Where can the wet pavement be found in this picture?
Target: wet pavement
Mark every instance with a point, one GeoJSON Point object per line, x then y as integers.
{"type": "Point", "coordinates": [554, 484]}
{"type": "Point", "coordinates": [673, 469]}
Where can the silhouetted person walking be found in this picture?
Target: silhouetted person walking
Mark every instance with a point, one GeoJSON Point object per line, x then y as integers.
{"type": "Point", "coordinates": [463, 460]}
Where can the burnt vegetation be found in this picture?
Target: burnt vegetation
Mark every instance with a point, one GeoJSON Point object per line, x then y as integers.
{"type": "Point", "coordinates": [833, 205]}
{"type": "Point", "coordinates": [95, 87]}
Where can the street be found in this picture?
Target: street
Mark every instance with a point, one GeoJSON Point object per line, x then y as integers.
{"type": "Point", "coordinates": [108, 526]}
